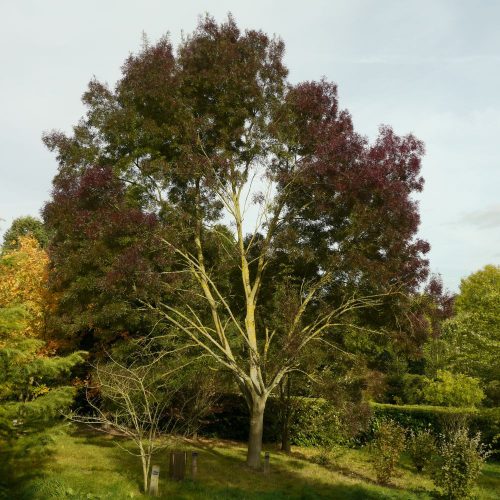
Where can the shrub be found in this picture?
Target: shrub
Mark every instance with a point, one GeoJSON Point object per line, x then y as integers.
{"type": "Point", "coordinates": [453, 389]}
{"type": "Point", "coordinates": [405, 389]}
{"type": "Point", "coordinates": [421, 446]}
{"type": "Point", "coordinates": [315, 421]}
{"type": "Point", "coordinates": [459, 463]}
{"type": "Point", "coordinates": [440, 419]}
{"type": "Point", "coordinates": [387, 446]}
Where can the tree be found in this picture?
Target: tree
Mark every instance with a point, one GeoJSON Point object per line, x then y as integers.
{"type": "Point", "coordinates": [32, 390]}
{"type": "Point", "coordinates": [188, 133]}
{"type": "Point", "coordinates": [104, 256]}
{"type": "Point", "coordinates": [451, 389]}
{"type": "Point", "coordinates": [33, 382]}
{"type": "Point", "coordinates": [23, 280]}
{"type": "Point", "coordinates": [472, 336]}
{"type": "Point", "coordinates": [24, 226]}
{"type": "Point", "coordinates": [139, 392]}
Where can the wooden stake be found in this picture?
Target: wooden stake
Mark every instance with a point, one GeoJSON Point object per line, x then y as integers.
{"type": "Point", "coordinates": [266, 463]}
{"type": "Point", "coordinates": [194, 465]}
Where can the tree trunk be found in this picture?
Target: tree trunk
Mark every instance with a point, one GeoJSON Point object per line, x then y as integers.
{"type": "Point", "coordinates": [286, 411]}
{"type": "Point", "coordinates": [145, 470]}
{"type": "Point", "coordinates": [285, 436]}
{"type": "Point", "coordinates": [256, 407]}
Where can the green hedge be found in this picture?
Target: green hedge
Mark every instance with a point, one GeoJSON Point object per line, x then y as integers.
{"type": "Point", "coordinates": [314, 421]}
{"type": "Point", "coordinates": [483, 420]}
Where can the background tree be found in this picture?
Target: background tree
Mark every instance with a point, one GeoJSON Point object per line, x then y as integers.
{"type": "Point", "coordinates": [187, 133]}
{"type": "Point", "coordinates": [472, 337]}
{"type": "Point", "coordinates": [25, 226]}
{"type": "Point", "coordinates": [24, 280]}
{"type": "Point", "coordinates": [104, 255]}
{"type": "Point", "coordinates": [415, 349]}
{"type": "Point", "coordinates": [449, 389]}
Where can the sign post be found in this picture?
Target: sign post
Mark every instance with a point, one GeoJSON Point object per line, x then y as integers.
{"type": "Point", "coordinates": [153, 483]}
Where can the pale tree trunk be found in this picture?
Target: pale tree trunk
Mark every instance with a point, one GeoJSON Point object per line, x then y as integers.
{"type": "Point", "coordinates": [145, 470]}
{"type": "Point", "coordinates": [256, 407]}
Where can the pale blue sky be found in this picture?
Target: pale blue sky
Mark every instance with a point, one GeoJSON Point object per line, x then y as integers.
{"type": "Point", "coordinates": [427, 67]}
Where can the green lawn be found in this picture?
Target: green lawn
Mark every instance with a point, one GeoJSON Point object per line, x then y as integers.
{"type": "Point", "coordinates": [89, 466]}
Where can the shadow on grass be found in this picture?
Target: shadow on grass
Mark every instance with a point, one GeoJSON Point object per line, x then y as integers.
{"type": "Point", "coordinates": [222, 474]}
{"type": "Point", "coordinates": [23, 462]}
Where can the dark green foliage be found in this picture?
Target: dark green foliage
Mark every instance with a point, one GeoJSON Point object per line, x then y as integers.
{"type": "Point", "coordinates": [492, 393]}
{"type": "Point", "coordinates": [409, 388]}
{"type": "Point", "coordinates": [32, 392]}
{"type": "Point", "coordinates": [460, 461]}
{"type": "Point", "coordinates": [24, 226]}
{"type": "Point", "coordinates": [314, 422]}
{"type": "Point", "coordinates": [421, 446]}
{"type": "Point", "coordinates": [387, 446]}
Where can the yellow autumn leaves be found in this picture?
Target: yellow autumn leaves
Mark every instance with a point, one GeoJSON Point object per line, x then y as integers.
{"type": "Point", "coordinates": [23, 282]}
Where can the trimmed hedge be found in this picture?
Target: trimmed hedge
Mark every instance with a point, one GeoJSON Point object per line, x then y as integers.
{"type": "Point", "coordinates": [423, 416]}
{"type": "Point", "coordinates": [315, 422]}
{"type": "Point", "coordinates": [438, 418]}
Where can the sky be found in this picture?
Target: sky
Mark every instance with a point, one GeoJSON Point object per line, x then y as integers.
{"type": "Point", "coordinates": [429, 67]}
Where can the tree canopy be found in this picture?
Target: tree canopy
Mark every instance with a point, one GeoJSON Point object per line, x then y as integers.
{"type": "Point", "coordinates": [24, 226]}
{"type": "Point", "coordinates": [472, 336]}
{"type": "Point", "coordinates": [180, 144]}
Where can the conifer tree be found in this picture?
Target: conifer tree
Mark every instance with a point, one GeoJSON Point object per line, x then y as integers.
{"type": "Point", "coordinates": [34, 388]}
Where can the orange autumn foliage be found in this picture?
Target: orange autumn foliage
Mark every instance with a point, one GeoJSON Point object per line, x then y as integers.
{"type": "Point", "coordinates": [24, 281]}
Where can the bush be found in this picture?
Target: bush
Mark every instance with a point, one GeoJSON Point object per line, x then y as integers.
{"type": "Point", "coordinates": [315, 421]}
{"type": "Point", "coordinates": [387, 446]}
{"type": "Point", "coordinates": [453, 389]}
{"type": "Point", "coordinates": [406, 389]}
{"type": "Point", "coordinates": [440, 419]}
{"type": "Point", "coordinates": [459, 464]}
{"type": "Point", "coordinates": [421, 446]}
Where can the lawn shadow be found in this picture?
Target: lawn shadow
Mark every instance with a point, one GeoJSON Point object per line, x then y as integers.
{"type": "Point", "coordinates": [222, 473]}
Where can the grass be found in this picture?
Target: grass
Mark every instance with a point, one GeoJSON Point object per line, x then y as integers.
{"type": "Point", "coordinates": [86, 465]}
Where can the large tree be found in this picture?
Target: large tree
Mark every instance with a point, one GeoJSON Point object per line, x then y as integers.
{"type": "Point", "coordinates": [191, 133]}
